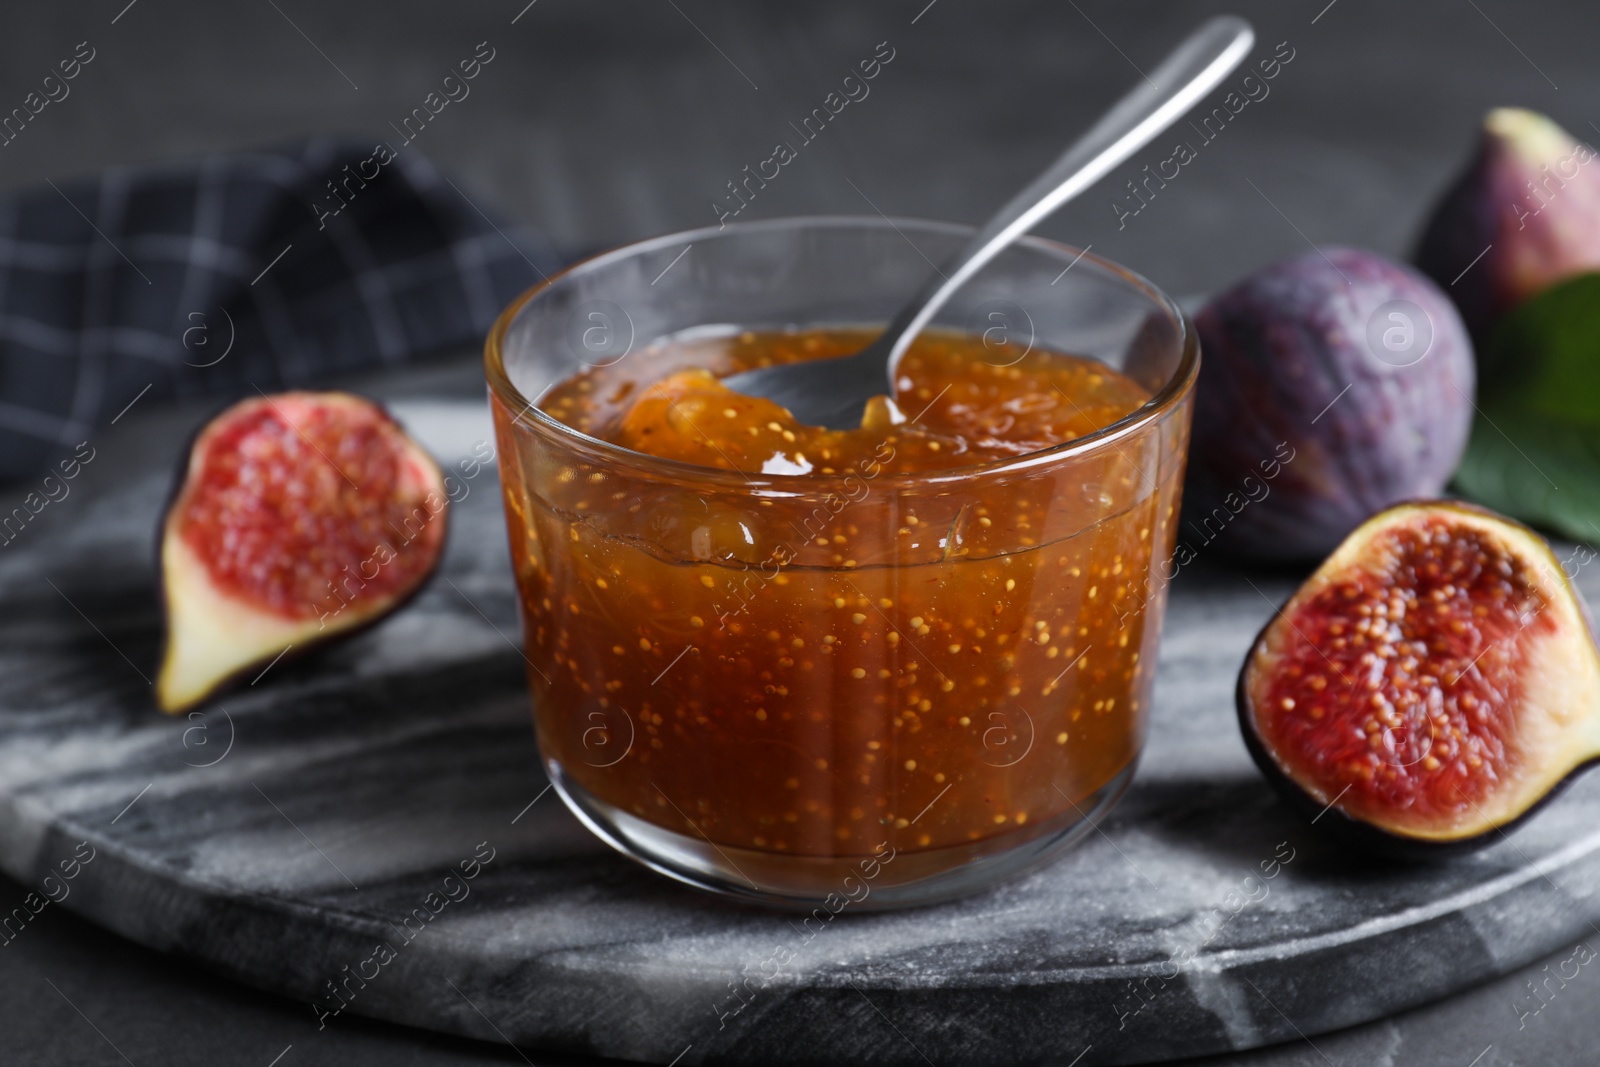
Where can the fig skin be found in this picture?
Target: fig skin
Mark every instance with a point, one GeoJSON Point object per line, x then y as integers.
{"type": "Point", "coordinates": [213, 636]}
{"type": "Point", "coordinates": [1531, 196]}
{"type": "Point", "coordinates": [1301, 431]}
{"type": "Point", "coordinates": [1574, 740]}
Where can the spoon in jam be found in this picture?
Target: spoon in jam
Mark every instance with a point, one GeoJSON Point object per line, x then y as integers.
{"type": "Point", "coordinates": [834, 392]}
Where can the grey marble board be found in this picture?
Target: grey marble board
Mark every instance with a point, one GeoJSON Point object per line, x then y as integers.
{"type": "Point", "coordinates": [279, 838]}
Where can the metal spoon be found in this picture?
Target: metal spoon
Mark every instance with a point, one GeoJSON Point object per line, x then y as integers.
{"type": "Point", "coordinates": [833, 392]}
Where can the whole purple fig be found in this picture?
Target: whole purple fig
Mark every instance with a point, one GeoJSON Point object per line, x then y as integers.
{"type": "Point", "coordinates": [1332, 385]}
{"type": "Point", "coordinates": [1526, 214]}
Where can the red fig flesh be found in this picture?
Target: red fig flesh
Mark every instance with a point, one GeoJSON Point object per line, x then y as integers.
{"type": "Point", "coordinates": [1431, 683]}
{"type": "Point", "coordinates": [299, 517]}
{"type": "Point", "coordinates": [1526, 214]}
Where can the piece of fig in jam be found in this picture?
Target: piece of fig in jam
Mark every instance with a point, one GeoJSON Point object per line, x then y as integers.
{"type": "Point", "coordinates": [299, 517]}
{"type": "Point", "coordinates": [1431, 684]}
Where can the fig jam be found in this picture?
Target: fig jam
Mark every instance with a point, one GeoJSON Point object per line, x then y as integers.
{"type": "Point", "coordinates": [809, 642]}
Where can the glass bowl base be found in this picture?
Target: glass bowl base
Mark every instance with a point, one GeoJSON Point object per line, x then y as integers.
{"type": "Point", "coordinates": [884, 879]}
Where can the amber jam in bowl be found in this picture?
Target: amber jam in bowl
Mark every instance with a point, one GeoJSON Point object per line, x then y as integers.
{"type": "Point", "coordinates": [874, 667]}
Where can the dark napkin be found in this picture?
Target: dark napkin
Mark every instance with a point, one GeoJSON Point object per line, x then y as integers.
{"type": "Point", "coordinates": [237, 272]}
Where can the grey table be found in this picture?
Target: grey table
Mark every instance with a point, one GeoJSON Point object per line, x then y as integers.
{"type": "Point", "coordinates": [603, 123]}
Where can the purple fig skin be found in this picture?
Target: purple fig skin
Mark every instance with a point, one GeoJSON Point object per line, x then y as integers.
{"type": "Point", "coordinates": [1531, 198]}
{"type": "Point", "coordinates": [1301, 431]}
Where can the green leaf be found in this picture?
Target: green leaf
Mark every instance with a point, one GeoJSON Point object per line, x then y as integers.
{"type": "Point", "coordinates": [1541, 470]}
{"type": "Point", "coordinates": [1545, 356]}
{"type": "Point", "coordinates": [1535, 447]}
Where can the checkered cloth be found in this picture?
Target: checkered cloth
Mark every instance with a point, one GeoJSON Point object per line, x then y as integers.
{"type": "Point", "coordinates": [224, 275]}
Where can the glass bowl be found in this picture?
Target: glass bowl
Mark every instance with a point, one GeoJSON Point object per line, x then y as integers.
{"type": "Point", "coordinates": [772, 686]}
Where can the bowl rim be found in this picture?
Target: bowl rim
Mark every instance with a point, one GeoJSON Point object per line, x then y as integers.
{"type": "Point", "coordinates": [1160, 405]}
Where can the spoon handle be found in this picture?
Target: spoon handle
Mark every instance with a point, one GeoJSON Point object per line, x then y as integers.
{"type": "Point", "coordinates": [1195, 68]}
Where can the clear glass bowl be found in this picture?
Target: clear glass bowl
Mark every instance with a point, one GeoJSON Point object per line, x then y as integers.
{"type": "Point", "coordinates": [719, 696]}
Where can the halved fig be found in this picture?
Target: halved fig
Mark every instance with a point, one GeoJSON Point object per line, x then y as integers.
{"type": "Point", "coordinates": [298, 518]}
{"type": "Point", "coordinates": [1431, 684]}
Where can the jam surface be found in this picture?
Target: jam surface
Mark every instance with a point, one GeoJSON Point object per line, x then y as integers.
{"type": "Point", "coordinates": [841, 658]}
{"type": "Point", "coordinates": [958, 402]}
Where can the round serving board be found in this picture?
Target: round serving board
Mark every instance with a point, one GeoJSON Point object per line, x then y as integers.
{"type": "Point", "coordinates": [317, 814]}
